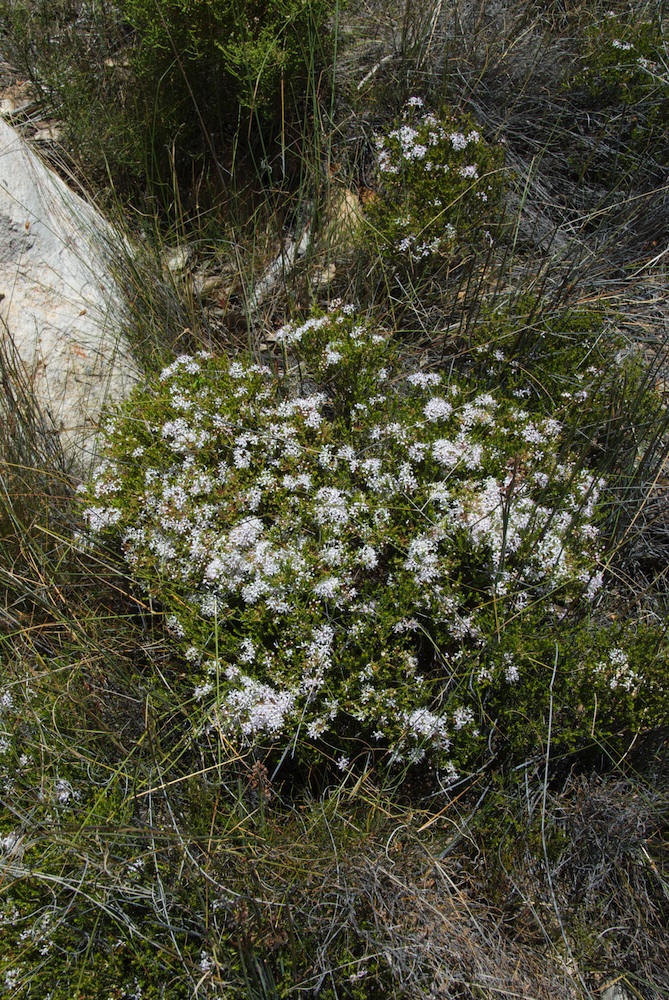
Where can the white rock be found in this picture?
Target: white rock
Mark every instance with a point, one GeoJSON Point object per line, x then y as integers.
{"type": "Point", "coordinates": [49, 133]}
{"type": "Point", "coordinates": [177, 260]}
{"type": "Point", "coordinates": [14, 106]}
{"type": "Point", "coordinates": [61, 308]}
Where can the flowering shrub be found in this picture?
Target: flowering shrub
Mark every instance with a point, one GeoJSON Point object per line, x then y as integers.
{"type": "Point", "coordinates": [624, 61]}
{"type": "Point", "coordinates": [338, 547]}
{"type": "Point", "coordinates": [624, 67]}
{"type": "Point", "coordinates": [440, 184]}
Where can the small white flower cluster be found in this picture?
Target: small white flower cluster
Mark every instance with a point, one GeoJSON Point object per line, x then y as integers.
{"type": "Point", "coordinates": [618, 671]}
{"type": "Point", "coordinates": [253, 708]}
{"type": "Point", "coordinates": [503, 516]}
{"type": "Point", "coordinates": [291, 334]}
{"type": "Point", "coordinates": [183, 363]}
{"type": "Point", "coordinates": [99, 518]}
{"type": "Point", "coordinates": [13, 977]}
{"type": "Point", "coordinates": [511, 671]}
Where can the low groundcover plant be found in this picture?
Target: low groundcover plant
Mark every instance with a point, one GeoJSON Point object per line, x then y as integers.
{"type": "Point", "coordinates": [338, 546]}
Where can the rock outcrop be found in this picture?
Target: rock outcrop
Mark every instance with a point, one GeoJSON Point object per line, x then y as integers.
{"type": "Point", "coordinates": [61, 309]}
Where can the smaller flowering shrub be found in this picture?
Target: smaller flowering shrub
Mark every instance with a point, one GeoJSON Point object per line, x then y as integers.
{"type": "Point", "coordinates": [337, 548]}
{"type": "Point", "coordinates": [624, 67]}
{"type": "Point", "coordinates": [623, 61]}
{"type": "Point", "coordinates": [439, 186]}
{"type": "Point", "coordinates": [579, 364]}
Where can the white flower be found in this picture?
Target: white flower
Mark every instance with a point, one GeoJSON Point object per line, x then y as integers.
{"type": "Point", "coordinates": [333, 554]}
{"type": "Point", "coordinates": [425, 249]}
{"type": "Point", "coordinates": [182, 437]}
{"type": "Point", "coordinates": [426, 725]}
{"type": "Point", "coordinates": [532, 434]}
{"type": "Point", "coordinates": [417, 450]}
{"type": "Point", "coordinates": [291, 334]}
{"type": "Point", "coordinates": [252, 592]}
{"type": "Point", "coordinates": [424, 379]}
{"type": "Point", "coordinates": [405, 625]}
{"type": "Point", "coordinates": [316, 728]}
{"type": "Point", "coordinates": [332, 357]}
{"type": "Point", "coordinates": [594, 583]}
{"type": "Point", "coordinates": [101, 517]}
{"type": "Point", "coordinates": [256, 707]}
{"type": "Point", "coordinates": [12, 978]}
{"type": "Point", "coordinates": [469, 172]}
{"type": "Point", "coordinates": [448, 453]}
{"type": "Point", "coordinates": [323, 635]}
{"type": "Point", "coordinates": [511, 671]}
{"type": "Point", "coordinates": [206, 962]}
{"type": "Point", "coordinates": [551, 427]}
{"type": "Point", "coordinates": [174, 626]}
{"type": "Point", "coordinates": [406, 479]}
{"type": "Point", "coordinates": [328, 588]}
{"type": "Point", "coordinates": [406, 136]}
{"type": "Point", "coordinates": [246, 533]}
{"type": "Point", "coordinates": [462, 717]}
{"type": "Point", "coordinates": [202, 690]}
{"type": "Point", "coordinates": [330, 507]}
{"type": "Point", "coordinates": [368, 557]}
{"type": "Point", "coordinates": [64, 791]}
{"type": "Point", "coordinates": [437, 409]}
{"type": "Point", "coordinates": [247, 652]}
{"type": "Point", "coordinates": [386, 165]}
{"type": "Point", "coordinates": [184, 362]}
{"type": "Point", "coordinates": [422, 559]}
{"type": "Point", "coordinates": [621, 673]}
{"type": "Point", "coordinates": [347, 454]}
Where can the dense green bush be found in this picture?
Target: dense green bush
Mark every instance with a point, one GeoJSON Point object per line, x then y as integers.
{"type": "Point", "coordinates": [150, 90]}
{"type": "Point", "coordinates": [221, 71]}
{"type": "Point", "coordinates": [361, 557]}
{"type": "Point", "coordinates": [77, 57]}
{"type": "Point", "coordinates": [445, 544]}
{"type": "Point", "coordinates": [240, 52]}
